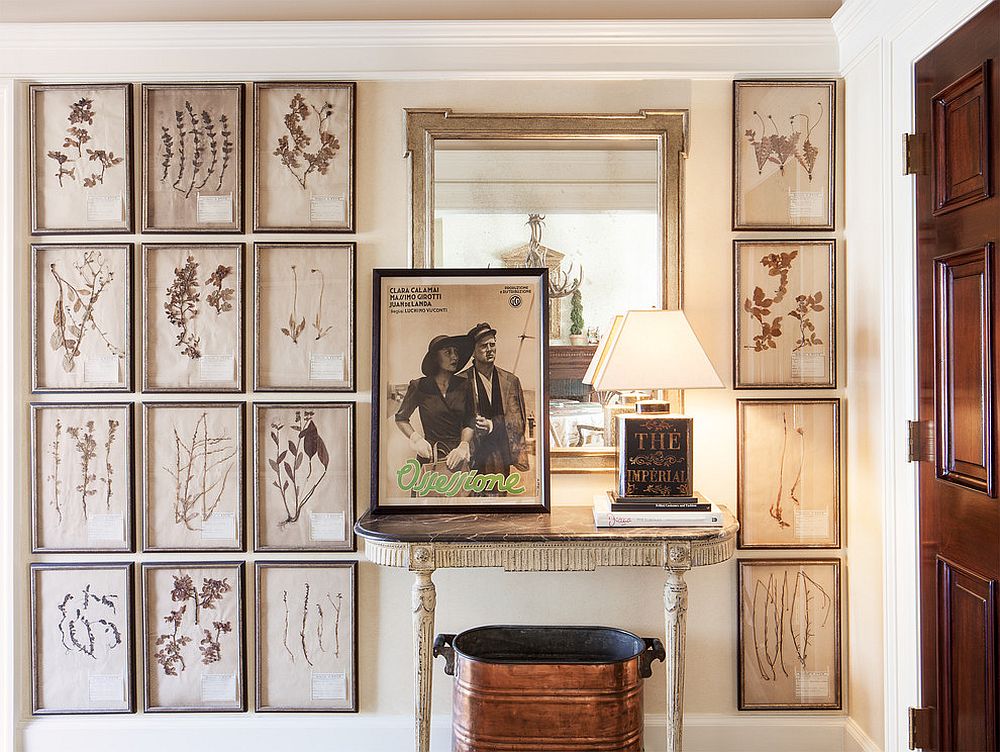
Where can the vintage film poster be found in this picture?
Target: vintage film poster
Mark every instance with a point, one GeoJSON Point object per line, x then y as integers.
{"type": "Point", "coordinates": [81, 639]}
{"type": "Point", "coordinates": [459, 390]}
{"type": "Point", "coordinates": [306, 637]}
{"type": "Point", "coordinates": [81, 158]}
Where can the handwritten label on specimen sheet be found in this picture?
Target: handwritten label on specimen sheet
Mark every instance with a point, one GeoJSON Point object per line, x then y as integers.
{"type": "Point", "coordinates": [808, 366]}
{"type": "Point", "coordinates": [106, 527]}
{"type": "Point", "coordinates": [805, 204]}
{"type": "Point", "coordinates": [220, 526]}
{"type": "Point", "coordinates": [218, 688]}
{"type": "Point", "coordinates": [812, 523]}
{"type": "Point", "coordinates": [217, 368]}
{"type": "Point", "coordinates": [329, 686]}
{"type": "Point", "coordinates": [327, 209]}
{"type": "Point", "coordinates": [101, 369]}
{"type": "Point", "coordinates": [324, 367]}
{"type": "Point", "coordinates": [326, 526]}
{"type": "Point", "coordinates": [812, 685]}
{"type": "Point", "coordinates": [104, 208]}
{"type": "Point", "coordinates": [105, 690]}
{"type": "Point", "coordinates": [215, 209]}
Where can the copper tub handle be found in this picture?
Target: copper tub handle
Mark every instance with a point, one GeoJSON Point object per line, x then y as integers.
{"type": "Point", "coordinates": [443, 645]}
{"type": "Point", "coordinates": [654, 652]}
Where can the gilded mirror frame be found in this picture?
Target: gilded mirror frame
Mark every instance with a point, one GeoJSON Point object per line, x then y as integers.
{"type": "Point", "coordinates": [667, 127]}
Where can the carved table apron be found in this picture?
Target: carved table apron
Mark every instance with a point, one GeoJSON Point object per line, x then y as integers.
{"type": "Point", "coordinates": [563, 541]}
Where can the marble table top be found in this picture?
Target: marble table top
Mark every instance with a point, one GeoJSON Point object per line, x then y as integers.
{"type": "Point", "coordinates": [564, 523]}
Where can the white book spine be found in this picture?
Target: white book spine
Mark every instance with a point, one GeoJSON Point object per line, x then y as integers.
{"type": "Point", "coordinates": [663, 519]}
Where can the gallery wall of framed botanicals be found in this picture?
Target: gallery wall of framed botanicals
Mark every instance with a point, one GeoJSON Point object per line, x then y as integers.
{"type": "Point", "coordinates": [193, 487]}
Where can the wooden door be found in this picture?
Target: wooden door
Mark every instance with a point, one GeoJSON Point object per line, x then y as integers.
{"type": "Point", "coordinates": [958, 239]}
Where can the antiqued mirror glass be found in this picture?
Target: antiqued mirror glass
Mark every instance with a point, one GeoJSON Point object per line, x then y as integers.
{"type": "Point", "coordinates": [594, 198]}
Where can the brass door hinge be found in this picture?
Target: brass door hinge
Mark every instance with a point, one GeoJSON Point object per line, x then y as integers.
{"type": "Point", "coordinates": [914, 154]}
{"type": "Point", "coordinates": [921, 728]}
{"type": "Point", "coordinates": [914, 441]}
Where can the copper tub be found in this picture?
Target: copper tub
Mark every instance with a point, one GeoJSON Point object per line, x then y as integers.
{"type": "Point", "coordinates": [547, 689]}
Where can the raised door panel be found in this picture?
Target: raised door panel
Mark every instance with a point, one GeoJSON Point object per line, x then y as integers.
{"type": "Point", "coordinates": [961, 128]}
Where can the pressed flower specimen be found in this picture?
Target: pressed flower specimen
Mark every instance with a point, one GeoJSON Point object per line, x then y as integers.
{"type": "Point", "coordinates": [760, 305]}
{"type": "Point", "coordinates": [196, 150]}
{"type": "Point", "coordinates": [171, 653]}
{"type": "Point", "coordinates": [181, 307]}
{"type": "Point", "coordinates": [86, 447]}
{"type": "Point", "coordinates": [72, 165]}
{"type": "Point", "coordinates": [203, 464]}
{"type": "Point", "coordinates": [87, 622]}
{"type": "Point", "coordinates": [312, 612]}
{"type": "Point", "coordinates": [220, 298]}
{"type": "Point", "coordinates": [55, 450]}
{"type": "Point", "coordinates": [292, 150]}
{"type": "Point", "coordinates": [300, 462]}
{"type": "Point", "coordinates": [172, 644]}
{"type": "Point", "coordinates": [805, 305]}
{"type": "Point", "coordinates": [776, 147]}
{"type": "Point", "coordinates": [321, 331]}
{"type": "Point", "coordinates": [295, 325]}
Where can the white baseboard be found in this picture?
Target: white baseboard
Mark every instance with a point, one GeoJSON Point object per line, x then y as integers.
{"type": "Point", "coordinates": [703, 732]}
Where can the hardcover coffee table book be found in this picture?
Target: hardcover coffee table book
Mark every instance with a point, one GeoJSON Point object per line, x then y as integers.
{"type": "Point", "coordinates": [654, 462]}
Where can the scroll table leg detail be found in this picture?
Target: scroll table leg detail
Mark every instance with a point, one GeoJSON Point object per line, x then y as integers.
{"type": "Point", "coordinates": [675, 602]}
{"type": "Point", "coordinates": [424, 602]}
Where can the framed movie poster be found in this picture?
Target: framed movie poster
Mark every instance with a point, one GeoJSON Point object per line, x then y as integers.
{"type": "Point", "coordinates": [81, 477]}
{"type": "Point", "coordinates": [192, 476]}
{"type": "Point", "coordinates": [788, 495]}
{"type": "Point", "coordinates": [789, 634]}
{"type": "Point", "coordinates": [192, 158]}
{"type": "Point", "coordinates": [192, 305]}
{"type": "Point", "coordinates": [784, 152]}
{"type": "Point", "coordinates": [306, 637]}
{"type": "Point", "coordinates": [81, 639]}
{"type": "Point", "coordinates": [304, 476]}
{"type": "Point", "coordinates": [303, 156]}
{"type": "Point", "coordinates": [81, 320]}
{"type": "Point", "coordinates": [786, 314]}
{"type": "Point", "coordinates": [304, 295]}
{"type": "Point", "coordinates": [193, 632]}
{"type": "Point", "coordinates": [81, 158]}
{"type": "Point", "coordinates": [459, 403]}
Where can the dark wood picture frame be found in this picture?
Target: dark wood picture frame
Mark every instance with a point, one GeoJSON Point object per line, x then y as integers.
{"type": "Point", "coordinates": [541, 438]}
{"type": "Point", "coordinates": [128, 612]}
{"type": "Point", "coordinates": [240, 457]}
{"type": "Point", "coordinates": [260, 607]}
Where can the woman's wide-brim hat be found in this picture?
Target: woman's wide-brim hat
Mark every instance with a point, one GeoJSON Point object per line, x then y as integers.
{"type": "Point", "coordinates": [461, 342]}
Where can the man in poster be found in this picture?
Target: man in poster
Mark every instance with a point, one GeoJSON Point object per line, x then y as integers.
{"type": "Point", "coordinates": [500, 414]}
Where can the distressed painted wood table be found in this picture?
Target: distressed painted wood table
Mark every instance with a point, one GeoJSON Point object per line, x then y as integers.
{"type": "Point", "coordinates": [563, 541]}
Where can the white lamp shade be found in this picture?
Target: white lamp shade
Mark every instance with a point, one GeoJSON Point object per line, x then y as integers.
{"type": "Point", "coordinates": [651, 350]}
{"type": "Point", "coordinates": [602, 349]}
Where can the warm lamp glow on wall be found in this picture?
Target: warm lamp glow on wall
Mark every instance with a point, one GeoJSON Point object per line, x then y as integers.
{"type": "Point", "coordinates": [647, 350]}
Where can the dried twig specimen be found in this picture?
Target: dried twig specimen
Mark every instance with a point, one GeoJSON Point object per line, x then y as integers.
{"type": "Point", "coordinates": [803, 613]}
{"type": "Point", "coordinates": [295, 327]}
{"type": "Point", "coordinates": [284, 637]}
{"type": "Point", "coordinates": [336, 624]}
{"type": "Point", "coordinates": [108, 468]}
{"type": "Point", "coordinates": [86, 445]}
{"type": "Point", "coordinates": [804, 305]}
{"type": "Point", "coordinates": [759, 305]}
{"type": "Point", "coordinates": [295, 486]}
{"type": "Point", "coordinates": [194, 148]}
{"type": "Point", "coordinates": [293, 155]}
{"type": "Point", "coordinates": [170, 655]}
{"type": "Point", "coordinates": [321, 331]}
{"type": "Point", "coordinates": [201, 470]}
{"type": "Point", "coordinates": [75, 312]}
{"type": "Point", "coordinates": [302, 632]}
{"type": "Point", "coordinates": [221, 298]}
{"type": "Point", "coordinates": [56, 453]}
{"type": "Point", "coordinates": [82, 113]}
{"type": "Point", "coordinates": [181, 307]}
{"type": "Point", "coordinates": [793, 492]}
{"type": "Point", "coordinates": [210, 649]}
{"type": "Point", "coordinates": [78, 626]}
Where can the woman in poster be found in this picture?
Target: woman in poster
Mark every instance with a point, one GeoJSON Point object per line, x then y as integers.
{"type": "Point", "coordinates": [443, 400]}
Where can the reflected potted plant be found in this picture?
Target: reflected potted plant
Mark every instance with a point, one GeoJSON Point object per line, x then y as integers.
{"type": "Point", "coordinates": [576, 335]}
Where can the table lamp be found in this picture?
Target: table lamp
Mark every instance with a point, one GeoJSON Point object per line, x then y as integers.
{"type": "Point", "coordinates": [652, 350]}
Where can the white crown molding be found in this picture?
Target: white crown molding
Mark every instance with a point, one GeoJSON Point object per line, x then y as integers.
{"type": "Point", "coordinates": [386, 50]}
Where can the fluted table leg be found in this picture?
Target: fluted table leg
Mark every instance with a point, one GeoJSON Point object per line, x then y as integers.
{"type": "Point", "coordinates": [675, 600]}
{"type": "Point", "coordinates": [424, 601]}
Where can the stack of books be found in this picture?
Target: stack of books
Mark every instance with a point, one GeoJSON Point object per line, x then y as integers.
{"type": "Point", "coordinates": [695, 511]}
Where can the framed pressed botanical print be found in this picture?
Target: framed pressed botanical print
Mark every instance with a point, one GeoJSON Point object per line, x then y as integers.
{"type": "Point", "coordinates": [304, 476]}
{"type": "Point", "coordinates": [303, 156]}
{"type": "Point", "coordinates": [459, 390]}
{"type": "Point", "coordinates": [81, 158]}
{"type": "Point", "coordinates": [192, 318]}
{"type": "Point", "coordinates": [788, 494]}
{"type": "Point", "coordinates": [304, 297]}
{"type": "Point", "coordinates": [193, 632]}
{"type": "Point", "coordinates": [786, 315]}
{"type": "Point", "coordinates": [81, 322]}
{"type": "Point", "coordinates": [81, 477]}
{"type": "Point", "coordinates": [784, 146]}
{"type": "Point", "coordinates": [81, 639]}
{"type": "Point", "coordinates": [789, 634]}
{"type": "Point", "coordinates": [192, 158]}
{"type": "Point", "coordinates": [192, 476]}
{"type": "Point", "coordinates": [306, 636]}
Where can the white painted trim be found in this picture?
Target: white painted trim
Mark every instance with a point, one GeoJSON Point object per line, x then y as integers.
{"type": "Point", "coordinates": [856, 740]}
{"type": "Point", "coordinates": [432, 50]}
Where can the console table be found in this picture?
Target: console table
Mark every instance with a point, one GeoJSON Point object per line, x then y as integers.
{"type": "Point", "coordinates": [563, 541]}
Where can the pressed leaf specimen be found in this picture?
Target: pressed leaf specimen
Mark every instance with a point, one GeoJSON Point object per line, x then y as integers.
{"type": "Point", "coordinates": [86, 622]}
{"type": "Point", "coordinates": [86, 447]}
{"type": "Point", "coordinates": [82, 113]}
{"type": "Point", "coordinates": [300, 463]}
{"type": "Point", "coordinates": [804, 305]}
{"type": "Point", "coordinates": [777, 147]}
{"type": "Point", "coordinates": [181, 307]}
{"type": "Point", "coordinates": [295, 325]}
{"type": "Point", "coordinates": [75, 314]}
{"type": "Point", "coordinates": [56, 453]}
{"type": "Point", "coordinates": [171, 653]}
{"type": "Point", "coordinates": [321, 331]}
{"type": "Point", "coordinates": [221, 298]}
{"type": "Point", "coordinates": [108, 468]}
{"type": "Point", "coordinates": [196, 150]}
{"type": "Point", "coordinates": [292, 150]}
{"type": "Point", "coordinates": [202, 466]}
{"type": "Point", "coordinates": [211, 651]}
{"type": "Point", "coordinates": [759, 305]}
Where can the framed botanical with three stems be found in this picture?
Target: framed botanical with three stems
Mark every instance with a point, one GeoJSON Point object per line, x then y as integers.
{"type": "Point", "coordinates": [304, 297]}
{"type": "Point", "coordinates": [786, 314]}
{"type": "Point", "coordinates": [81, 321]}
{"type": "Point", "coordinates": [192, 157]}
{"type": "Point", "coordinates": [81, 639]}
{"type": "Point", "coordinates": [192, 318]}
{"type": "Point", "coordinates": [303, 156]}
{"type": "Point", "coordinates": [306, 636]}
{"type": "Point", "coordinates": [193, 637]}
{"type": "Point", "coordinates": [788, 495]}
{"type": "Point", "coordinates": [784, 146]}
{"type": "Point", "coordinates": [304, 476]}
{"type": "Point", "coordinates": [81, 158]}
{"type": "Point", "coordinates": [789, 634]}
{"type": "Point", "coordinates": [81, 477]}
{"type": "Point", "coordinates": [192, 482]}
